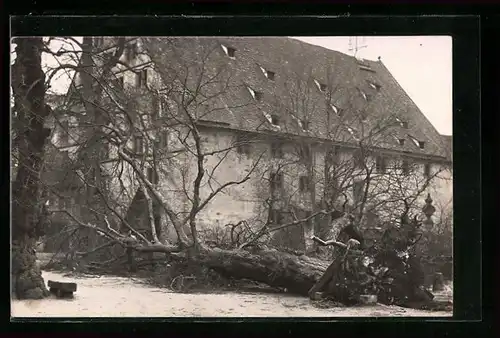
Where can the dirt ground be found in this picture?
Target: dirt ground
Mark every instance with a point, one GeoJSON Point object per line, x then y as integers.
{"type": "Point", "coordinates": [107, 296]}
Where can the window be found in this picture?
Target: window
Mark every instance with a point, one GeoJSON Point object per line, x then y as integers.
{"type": "Point", "coordinates": [421, 144]}
{"type": "Point", "coordinates": [321, 86]}
{"type": "Point", "coordinates": [276, 181]}
{"type": "Point", "coordinates": [405, 167]}
{"type": "Point", "coordinates": [374, 85]}
{"type": "Point", "coordinates": [381, 164]}
{"type": "Point", "coordinates": [338, 111]}
{"type": "Point", "coordinates": [242, 145]}
{"type": "Point", "coordinates": [141, 78]}
{"type": "Point", "coordinates": [304, 184]}
{"type": "Point", "coordinates": [277, 149]}
{"type": "Point", "coordinates": [118, 82]}
{"type": "Point", "coordinates": [358, 159]}
{"type": "Point", "coordinates": [64, 134]}
{"type": "Point", "coordinates": [352, 132]}
{"type": "Point", "coordinates": [276, 216]}
{"type": "Point", "coordinates": [402, 123]}
{"type": "Point", "coordinates": [163, 139]}
{"type": "Point", "coordinates": [267, 73]}
{"type": "Point", "coordinates": [275, 120]}
{"type": "Point", "coordinates": [401, 141]}
{"type": "Point", "coordinates": [152, 176]}
{"type": "Point", "coordinates": [357, 191]}
{"type": "Point", "coordinates": [138, 144]}
{"type": "Point", "coordinates": [305, 152]}
{"type": "Point", "coordinates": [255, 94]}
{"type": "Point", "coordinates": [231, 52]}
{"type": "Point", "coordinates": [98, 41]}
{"type": "Point", "coordinates": [131, 51]}
{"type": "Point", "coordinates": [305, 124]}
{"type": "Point", "coordinates": [427, 170]}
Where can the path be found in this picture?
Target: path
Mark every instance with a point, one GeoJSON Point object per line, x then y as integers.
{"type": "Point", "coordinates": [123, 297]}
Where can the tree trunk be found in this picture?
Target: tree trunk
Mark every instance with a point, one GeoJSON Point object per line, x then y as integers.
{"type": "Point", "coordinates": [296, 273]}
{"type": "Point", "coordinates": [28, 85]}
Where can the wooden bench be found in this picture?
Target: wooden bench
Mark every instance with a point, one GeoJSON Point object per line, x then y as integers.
{"type": "Point", "coordinates": [62, 289]}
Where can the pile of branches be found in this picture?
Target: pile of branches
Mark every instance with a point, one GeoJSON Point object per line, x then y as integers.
{"type": "Point", "coordinates": [390, 269]}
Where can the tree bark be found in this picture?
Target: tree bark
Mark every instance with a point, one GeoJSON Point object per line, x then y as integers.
{"type": "Point", "coordinates": [274, 268]}
{"type": "Point", "coordinates": [28, 85]}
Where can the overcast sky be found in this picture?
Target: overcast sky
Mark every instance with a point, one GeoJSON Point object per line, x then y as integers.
{"type": "Point", "coordinates": [421, 64]}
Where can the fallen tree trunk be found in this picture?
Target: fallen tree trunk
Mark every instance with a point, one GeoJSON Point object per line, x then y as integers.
{"type": "Point", "coordinates": [278, 269]}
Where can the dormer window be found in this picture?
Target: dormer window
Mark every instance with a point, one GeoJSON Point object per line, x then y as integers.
{"type": "Point", "coordinates": [365, 96]}
{"type": "Point", "coordinates": [321, 86]}
{"type": "Point", "coordinates": [255, 94]}
{"type": "Point", "coordinates": [338, 111]}
{"type": "Point", "coordinates": [374, 85]}
{"type": "Point", "coordinates": [401, 141]}
{"type": "Point", "coordinates": [352, 132]}
{"type": "Point", "coordinates": [403, 124]}
{"type": "Point", "coordinates": [231, 52]}
{"type": "Point", "coordinates": [267, 73]}
{"type": "Point", "coordinates": [420, 144]}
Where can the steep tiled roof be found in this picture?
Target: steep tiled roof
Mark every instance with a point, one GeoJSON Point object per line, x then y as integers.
{"type": "Point", "coordinates": [448, 144]}
{"type": "Point", "coordinates": [349, 81]}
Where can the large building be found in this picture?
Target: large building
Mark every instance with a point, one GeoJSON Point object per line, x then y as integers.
{"type": "Point", "coordinates": [300, 128]}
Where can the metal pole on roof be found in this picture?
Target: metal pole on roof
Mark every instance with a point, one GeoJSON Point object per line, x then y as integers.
{"type": "Point", "coordinates": [355, 44]}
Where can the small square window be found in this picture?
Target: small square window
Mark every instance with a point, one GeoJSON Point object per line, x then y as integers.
{"type": "Point", "coordinates": [141, 78]}
{"type": "Point", "coordinates": [305, 152]}
{"type": "Point", "coordinates": [401, 141]}
{"type": "Point", "coordinates": [304, 184]}
{"type": "Point", "coordinates": [276, 216]}
{"type": "Point", "coordinates": [258, 95]}
{"type": "Point", "coordinates": [276, 181]}
{"type": "Point", "coordinates": [305, 124]}
{"type": "Point", "coordinates": [405, 167]}
{"type": "Point", "coordinates": [152, 176]}
{"type": "Point", "coordinates": [270, 75]}
{"type": "Point", "coordinates": [421, 144]}
{"type": "Point", "coordinates": [131, 51]}
{"type": "Point", "coordinates": [275, 120]}
{"type": "Point", "coordinates": [323, 87]}
{"type": "Point", "coordinates": [359, 159]}
{"type": "Point", "coordinates": [163, 139]}
{"type": "Point", "coordinates": [138, 144]}
{"type": "Point", "coordinates": [242, 145]}
{"type": "Point", "coordinates": [427, 170]}
{"type": "Point", "coordinates": [358, 191]}
{"type": "Point", "coordinates": [381, 164]}
{"type": "Point", "coordinates": [64, 133]}
{"type": "Point", "coordinates": [118, 82]}
{"type": "Point", "coordinates": [277, 149]}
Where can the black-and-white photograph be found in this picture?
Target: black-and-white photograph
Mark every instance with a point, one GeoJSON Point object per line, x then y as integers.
{"type": "Point", "coordinates": [231, 176]}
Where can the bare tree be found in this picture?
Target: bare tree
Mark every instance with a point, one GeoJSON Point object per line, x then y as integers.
{"type": "Point", "coordinates": [156, 157]}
